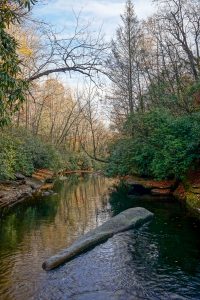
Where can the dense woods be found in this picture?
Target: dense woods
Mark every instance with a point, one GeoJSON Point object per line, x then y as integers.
{"type": "Point", "coordinates": [99, 135]}
{"type": "Point", "coordinates": [74, 100]}
{"type": "Point", "coordinates": [147, 80]}
{"type": "Point", "coordinates": [45, 123]}
{"type": "Point", "coordinates": [156, 91]}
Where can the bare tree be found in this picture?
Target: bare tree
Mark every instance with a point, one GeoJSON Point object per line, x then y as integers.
{"type": "Point", "coordinates": [93, 134]}
{"type": "Point", "coordinates": [78, 51]}
{"type": "Point", "coordinates": [181, 23]}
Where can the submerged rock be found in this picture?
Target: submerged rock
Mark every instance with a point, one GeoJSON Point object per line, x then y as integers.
{"type": "Point", "coordinates": [124, 221]}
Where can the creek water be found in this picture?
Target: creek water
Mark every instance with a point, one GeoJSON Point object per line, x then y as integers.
{"type": "Point", "coordinates": [161, 260]}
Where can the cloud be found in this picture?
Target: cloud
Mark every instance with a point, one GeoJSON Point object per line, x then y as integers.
{"type": "Point", "coordinates": [107, 12]}
{"type": "Point", "coordinates": [101, 11]}
{"type": "Point", "coordinates": [102, 8]}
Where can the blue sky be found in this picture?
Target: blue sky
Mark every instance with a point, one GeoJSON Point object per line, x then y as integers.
{"type": "Point", "coordinates": [106, 12]}
{"type": "Point", "coordinates": [100, 12]}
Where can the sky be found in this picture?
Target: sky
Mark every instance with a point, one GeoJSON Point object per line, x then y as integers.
{"type": "Point", "coordinates": [99, 12]}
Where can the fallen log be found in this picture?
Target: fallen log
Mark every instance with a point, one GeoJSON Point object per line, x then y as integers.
{"type": "Point", "coordinates": [130, 218]}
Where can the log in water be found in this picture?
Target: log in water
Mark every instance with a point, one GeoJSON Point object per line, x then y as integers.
{"type": "Point", "coordinates": [130, 218]}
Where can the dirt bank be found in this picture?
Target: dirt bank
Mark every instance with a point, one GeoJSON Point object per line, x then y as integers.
{"type": "Point", "coordinates": [15, 191]}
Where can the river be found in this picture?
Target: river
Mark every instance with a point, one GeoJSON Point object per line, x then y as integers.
{"type": "Point", "coordinates": [161, 260]}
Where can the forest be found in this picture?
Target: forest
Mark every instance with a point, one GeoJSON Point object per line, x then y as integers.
{"type": "Point", "coordinates": [137, 111]}
{"type": "Point", "coordinates": [99, 149]}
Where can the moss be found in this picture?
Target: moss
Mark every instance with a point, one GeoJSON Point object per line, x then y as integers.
{"type": "Point", "coordinates": [193, 202]}
{"type": "Point", "coordinates": [186, 184]}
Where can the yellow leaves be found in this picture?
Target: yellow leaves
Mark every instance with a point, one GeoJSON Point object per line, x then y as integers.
{"type": "Point", "coordinates": [23, 40]}
{"type": "Point", "coordinates": [5, 5]}
{"type": "Point", "coordinates": [24, 49]}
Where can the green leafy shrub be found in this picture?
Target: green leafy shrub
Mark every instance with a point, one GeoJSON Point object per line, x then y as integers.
{"type": "Point", "coordinates": [22, 152]}
{"type": "Point", "coordinates": [78, 161]}
{"type": "Point", "coordinates": [159, 145]}
{"type": "Point", "coordinates": [7, 157]}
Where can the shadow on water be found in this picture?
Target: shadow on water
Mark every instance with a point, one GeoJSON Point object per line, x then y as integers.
{"type": "Point", "coordinates": [173, 226]}
{"type": "Point", "coordinates": [161, 260]}
{"type": "Point", "coordinates": [169, 247]}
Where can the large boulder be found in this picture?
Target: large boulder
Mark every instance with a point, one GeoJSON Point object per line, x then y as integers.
{"type": "Point", "coordinates": [124, 221]}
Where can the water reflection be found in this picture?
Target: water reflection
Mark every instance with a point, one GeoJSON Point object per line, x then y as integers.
{"type": "Point", "coordinates": [34, 231]}
{"type": "Point", "coordinates": [159, 261]}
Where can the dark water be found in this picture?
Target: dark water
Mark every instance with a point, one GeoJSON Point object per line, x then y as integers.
{"type": "Point", "coordinates": [159, 261]}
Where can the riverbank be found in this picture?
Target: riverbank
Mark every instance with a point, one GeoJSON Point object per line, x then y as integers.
{"type": "Point", "coordinates": [187, 191]}
{"type": "Point", "coordinates": [13, 192]}
{"type": "Point", "coordinates": [16, 191]}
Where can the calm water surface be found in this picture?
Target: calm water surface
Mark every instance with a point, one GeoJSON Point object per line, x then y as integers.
{"type": "Point", "coordinates": [159, 261]}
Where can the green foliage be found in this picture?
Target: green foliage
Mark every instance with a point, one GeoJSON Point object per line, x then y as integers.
{"type": "Point", "coordinates": [42, 155]}
{"type": "Point", "coordinates": [161, 95]}
{"type": "Point", "coordinates": [12, 86]}
{"type": "Point", "coordinates": [159, 145]}
{"type": "Point", "coordinates": [78, 161]}
{"type": "Point", "coordinates": [7, 157]}
{"type": "Point", "coordinates": [121, 160]}
{"type": "Point", "coordinates": [22, 152]}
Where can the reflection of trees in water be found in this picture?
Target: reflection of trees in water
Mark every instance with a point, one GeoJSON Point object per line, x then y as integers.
{"type": "Point", "coordinates": [82, 207]}
{"type": "Point", "coordinates": [74, 207]}
{"type": "Point", "coordinates": [25, 218]}
{"type": "Point", "coordinates": [19, 232]}
{"type": "Point", "coordinates": [119, 199]}
{"type": "Point", "coordinates": [72, 212]}
{"type": "Point", "coordinates": [35, 231]}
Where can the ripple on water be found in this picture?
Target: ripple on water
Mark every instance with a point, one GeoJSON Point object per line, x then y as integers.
{"type": "Point", "coordinates": [113, 271]}
{"type": "Point", "coordinates": [159, 261]}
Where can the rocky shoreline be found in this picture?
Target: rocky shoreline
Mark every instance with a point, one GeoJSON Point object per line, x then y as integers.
{"type": "Point", "coordinates": [15, 191]}
{"type": "Point", "coordinates": [153, 187]}
{"type": "Point", "coordinates": [187, 191]}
